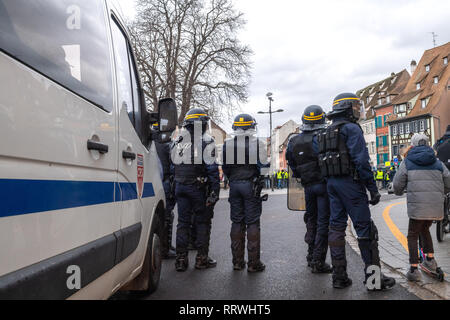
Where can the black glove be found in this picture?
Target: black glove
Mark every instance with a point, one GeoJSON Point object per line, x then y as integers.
{"type": "Point", "coordinates": [212, 199]}
{"type": "Point", "coordinates": [375, 198]}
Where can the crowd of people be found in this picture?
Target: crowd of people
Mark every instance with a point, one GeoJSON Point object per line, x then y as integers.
{"type": "Point", "coordinates": [384, 177]}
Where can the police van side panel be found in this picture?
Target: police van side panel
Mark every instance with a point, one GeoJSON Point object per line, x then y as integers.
{"type": "Point", "coordinates": [64, 198]}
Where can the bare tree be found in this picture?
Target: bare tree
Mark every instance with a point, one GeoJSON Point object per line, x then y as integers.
{"type": "Point", "coordinates": [189, 50]}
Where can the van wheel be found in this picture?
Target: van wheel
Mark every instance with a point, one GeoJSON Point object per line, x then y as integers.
{"type": "Point", "coordinates": [148, 280]}
{"type": "Point", "coordinates": [153, 260]}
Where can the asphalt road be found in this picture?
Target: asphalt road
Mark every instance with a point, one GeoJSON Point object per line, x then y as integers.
{"type": "Point", "coordinates": [287, 276]}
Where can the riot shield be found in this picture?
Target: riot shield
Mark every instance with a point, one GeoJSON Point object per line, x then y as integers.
{"type": "Point", "coordinates": [296, 194]}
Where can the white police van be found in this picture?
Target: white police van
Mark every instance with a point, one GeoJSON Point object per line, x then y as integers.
{"type": "Point", "coordinates": [81, 197]}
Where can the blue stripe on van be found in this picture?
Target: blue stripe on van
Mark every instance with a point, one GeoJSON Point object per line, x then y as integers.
{"type": "Point", "coordinates": [148, 192]}
{"type": "Point", "coordinates": [19, 197]}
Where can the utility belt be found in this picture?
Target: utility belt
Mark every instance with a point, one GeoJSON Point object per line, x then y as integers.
{"type": "Point", "coordinates": [200, 182]}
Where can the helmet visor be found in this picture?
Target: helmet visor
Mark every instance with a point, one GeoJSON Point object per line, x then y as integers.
{"type": "Point", "coordinates": [356, 108]}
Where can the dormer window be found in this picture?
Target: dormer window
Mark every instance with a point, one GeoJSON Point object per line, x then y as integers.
{"type": "Point", "coordinates": [418, 86]}
{"type": "Point", "coordinates": [445, 60]}
{"type": "Point", "coordinates": [424, 103]}
{"type": "Point", "coordinates": [388, 99]}
{"type": "Point", "coordinates": [436, 80]}
{"type": "Point", "coordinates": [427, 68]}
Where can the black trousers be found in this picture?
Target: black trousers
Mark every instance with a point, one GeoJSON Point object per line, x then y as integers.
{"type": "Point", "coordinates": [419, 228]}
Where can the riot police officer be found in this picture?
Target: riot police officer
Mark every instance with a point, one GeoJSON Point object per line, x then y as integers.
{"type": "Point", "coordinates": [163, 146]}
{"type": "Point", "coordinates": [242, 165]}
{"type": "Point", "coordinates": [344, 160]}
{"type": "Point", "coordinates": [197, 187]}
{"type": "Point", "coordinates": [302, 156]}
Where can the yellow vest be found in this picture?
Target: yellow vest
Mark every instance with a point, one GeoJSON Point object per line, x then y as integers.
{"type": "Point", "coordinates": [280, 175]}
{"type": "Point", "coordinates": [380, 175]}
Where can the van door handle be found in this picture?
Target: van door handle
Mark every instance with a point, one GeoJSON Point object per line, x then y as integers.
{"type": "Point", "coordinates": [129, 155]}
{"type": "Point", "coordinates": [100, 147]}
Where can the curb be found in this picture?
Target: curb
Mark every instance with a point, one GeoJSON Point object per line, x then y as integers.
{"type": "Point", "coordinates": [424, 291]}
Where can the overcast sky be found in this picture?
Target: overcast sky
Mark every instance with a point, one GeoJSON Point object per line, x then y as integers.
{"type": "Point", "coordinates": [307, 52]}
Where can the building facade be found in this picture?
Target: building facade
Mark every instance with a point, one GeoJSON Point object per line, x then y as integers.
{"type": "Point", "coordinates": [424, 104]}
{"type": "Point", "coordinates": [377, 108]}
{"type": "Point", "coordinates": [278, 139]}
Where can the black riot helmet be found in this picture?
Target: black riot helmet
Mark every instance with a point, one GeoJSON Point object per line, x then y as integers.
{"type": "Point", "coordinates": [244, 122]}
{"type": "Point", "coordinates": [194, 115]}
{"type": "Point", "coordinates": [313, 118]}
{"type": "Point", "coordinates": [347, 105]}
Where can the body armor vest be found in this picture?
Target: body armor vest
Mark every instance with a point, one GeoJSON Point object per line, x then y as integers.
{"type": "Point", "coordinates": [244, 158]}
{"type": "Point", "coordinates": [307, 164]}
{"type": "Point", "coordinates": [334, 157]}
{"type": "Point", "coordinates": [188, 172]}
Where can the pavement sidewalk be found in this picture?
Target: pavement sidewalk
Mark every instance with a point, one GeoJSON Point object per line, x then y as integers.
{"type": "Point", "coordinates": [392, 222]}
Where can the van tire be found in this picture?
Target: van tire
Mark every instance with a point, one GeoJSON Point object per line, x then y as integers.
{"type": "Point", "coordinates": [153, 259]}
{"type": "Point", "coordinates": [147, 281]}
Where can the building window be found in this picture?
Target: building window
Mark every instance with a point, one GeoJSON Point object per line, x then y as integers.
{"type": "Point", "coordinates": [394, 130]}
{"type": "Point", "coordinates": [385, 141]}
{"type": "Point", "coordinates": [422, 125]}
{"type": "Point", "coordinates": [445, 60]}
{"type": "Point", "coordinates": [371, 127]}
{"type": "Point", "coordinates": [416, 126]}
{"type": "Point", "coordinates": [407, 128]}
{"type": "Point", "coordinates": [400, 128]}
{"type": "Point", "coordinates": [388, 99]}
{"type": "Point", "coordinates": [424, 103]}
{"type": "Point", "coordinates": [418, 86]}
{"type": "Point", "coordinates": [395, 150]}
{"type": "Point", "coordinates": [436, 80]}
{"type": "Point", "coordinates": [427, 68]}
{"type": "Point", "coordinates": [373, 150]}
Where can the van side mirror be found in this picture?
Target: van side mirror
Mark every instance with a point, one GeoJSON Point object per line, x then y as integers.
{"type": "Point", "coordinates": [167, 116]}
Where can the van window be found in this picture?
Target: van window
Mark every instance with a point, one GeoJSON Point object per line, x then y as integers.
{"type": "Point", "coordinates": [128, 81]}
{"type": "Point", "coordinates": [136, 97]}
{"type": "Point", "coordinates": [66, 40]}
{"type": "Point", "coordinates": [123, 70]}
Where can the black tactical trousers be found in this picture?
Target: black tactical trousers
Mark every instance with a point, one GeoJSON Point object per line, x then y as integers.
{"type": "Point", "coordinates": [317, 219]}
{"type": "Point", "coordinates": [245, 216]}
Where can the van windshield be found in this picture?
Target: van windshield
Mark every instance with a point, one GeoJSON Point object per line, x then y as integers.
{"type": "Point", "coordinates": [66, 40]}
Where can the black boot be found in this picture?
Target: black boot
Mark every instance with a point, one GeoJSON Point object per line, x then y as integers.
{"type": "Point", "coordinates": [340, 278]}
{"type": "Point", "coordinates": [238, 245]}
{"type": "Point", "coordinates": [239, 266]}
{"type": "Point", "coordinates": [321, 267]}
{"type": "Point", "coordinates": [204, 262]}
{"type": "Point", "coordinates": [386, 283]}
{"type": "Point", "coordinates": [182, 262]}
{"type": "Point", "coordinates": [256, 267]}
{"type": "Point", "coordinates": [254, 248]}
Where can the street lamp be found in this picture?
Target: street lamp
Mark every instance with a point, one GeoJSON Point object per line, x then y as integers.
{"type": "Point", "coordinates": [270, 112]}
